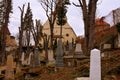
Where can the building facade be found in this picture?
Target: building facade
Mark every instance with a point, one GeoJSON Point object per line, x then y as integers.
{"type": "Point", "coordinates": [68, 35]}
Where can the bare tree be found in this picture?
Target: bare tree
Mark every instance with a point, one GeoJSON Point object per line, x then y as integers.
{"type": "Point", "coordinates": [37, 32]}
{"type": "Point", "coordinates": [6, 9]}
{"type": "Point", "coordinates": [25, 29]}
{"type": "Point", "coordinates": [21, 29]}
{"type": "Point", "coordinates": [50, 7]}
{"type": "Point", "coordinates": [28, 24]}
{"type": "Point", "coordinates": [88, 11]}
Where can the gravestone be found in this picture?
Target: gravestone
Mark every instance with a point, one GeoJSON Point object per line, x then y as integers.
{"type": "Point", "coordinates": [9, 74]}
{"type": "Point", "coordinates": [51, 60]}
{"type": "Point", "coordinates": [18, 68]}
{"type": "Point", "coordinates": [59, 54]}
{"type": "Point", "coordinates": [23, 58]}
{"type": "Point", "coordinates": [95, 65]}
{"type": "Point", "coordinates": [82, 78]}
{"type": "Point", "coordinates": [29, 58]}
{"type": "Point", "coordinates": [78, 48]}
{"type": "Point", "coordinates": [106, 46]}
{"type": "Point", "coordinates": [70, 49]}
{"type": "Point", "coordinates": [78, 51]}
{"type": "Point", "coordinates": [36, 58]}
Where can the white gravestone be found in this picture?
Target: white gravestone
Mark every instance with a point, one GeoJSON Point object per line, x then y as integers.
{"type": "Point", "coordinates": [95, 65]}
{"type": "Point", "coordinates": [29, 58]}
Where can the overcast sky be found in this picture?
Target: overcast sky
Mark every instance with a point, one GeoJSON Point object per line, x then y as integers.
{"type": "Point", "coordinates": [74, 15]}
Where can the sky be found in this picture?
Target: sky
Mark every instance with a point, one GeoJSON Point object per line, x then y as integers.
{"type": "Point", "coordinates": [74, 14]}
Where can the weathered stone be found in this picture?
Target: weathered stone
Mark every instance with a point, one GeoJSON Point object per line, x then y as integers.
{"type": "Point", "coordinates": [29, 59]}
{"type": "Point", "coordinates": [59, 54]}
{"type": "Point", "coordinates": [23, 58]}
{"type": "Point", "coordinates": [107, 46]}
{"type": "Point", "coordinates": [51, 60]}
{"type": "Point", "coordinates": [9, 74]}
{"type": "Point", "coordinates": [95, 65]}
{"type": "Point", "coordinates": [36, 58]}
{"type": "Point", "coordinates": [70, 49]}
{"type": "Point", "coordinates": [78, 49]}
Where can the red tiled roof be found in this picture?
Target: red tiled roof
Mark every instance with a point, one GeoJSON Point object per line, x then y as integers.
{"type": "Point", "coordinates": [101, 22]}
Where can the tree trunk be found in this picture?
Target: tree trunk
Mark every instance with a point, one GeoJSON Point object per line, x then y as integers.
{"type": "Point", "coordinates": [51, 38]}
{"type": "Point", "coordinates": [89, 12]}
{"type": "Point", "coordinates": [7, 7]}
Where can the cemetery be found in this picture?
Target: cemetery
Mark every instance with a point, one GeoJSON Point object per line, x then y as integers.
{"type": "Point", "coordinates": [53, 51]}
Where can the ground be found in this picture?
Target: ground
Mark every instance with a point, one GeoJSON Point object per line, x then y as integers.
{"type": "Point", "coordinates": [110, 69]}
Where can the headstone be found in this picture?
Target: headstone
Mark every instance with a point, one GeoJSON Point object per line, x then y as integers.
{"type": "Point", "coordinates": [102, 55]}
{"type": "Point", "coordinates": [95, 65]}
{"type": "Point", "coordinates": [82, 78]}
{"type": "Point", "coordinates": [36, 58]}
{"type": "Point", "coordinates": [107, 46]}
{"type": "Point", "coordinates": [9, 74]}
{"type": "Point", "coordinates": [70, 49]}
{"type": "Point", "coordinates": [78, 49]}
{"type": "Point", "coordinates": [59, 54]}
{"type": "Point", "coordinates": [51, 60]}
{"type": "Point", "coordinates": [23, 58]}
{"type": "Point", "coordinates": [18, 69]}
{"type": "Point", "coordinates": [29, 58]}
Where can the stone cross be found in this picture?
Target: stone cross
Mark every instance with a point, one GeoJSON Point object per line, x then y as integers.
{"type": "Point", "coordinates": [95, 65]}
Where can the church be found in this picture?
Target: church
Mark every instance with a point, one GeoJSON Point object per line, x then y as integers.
{"type": "Point", "coordinates": [68, 35]}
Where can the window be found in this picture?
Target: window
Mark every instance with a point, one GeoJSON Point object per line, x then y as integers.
{"type": "Point", "coordinates": [67, 34]}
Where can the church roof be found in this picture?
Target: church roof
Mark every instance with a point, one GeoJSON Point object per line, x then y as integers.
{"type": "Point", "coordinates": [66, 26]}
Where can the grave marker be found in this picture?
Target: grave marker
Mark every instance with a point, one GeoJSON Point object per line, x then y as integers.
{"type": "Point", "coordinates": [95, 65]}
{"type": "Point", "coordinates": [59, 54]}
{"type": "Point", "coordinates": [70, 49]}
{"type": "Point", "coordinates": [51, 59]}
{"type": "Point", "coordinates": [9, 74]}
{"type": "Point", "coordinates": [36, 58]}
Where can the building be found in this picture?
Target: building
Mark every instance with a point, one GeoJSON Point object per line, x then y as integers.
{"type": "Point", "coordinates": [101, 25]}
{"type": "Point", "coordinates": [67, 32]}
